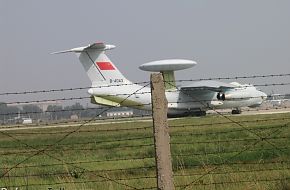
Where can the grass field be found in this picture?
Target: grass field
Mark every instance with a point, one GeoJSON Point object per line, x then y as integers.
{"type": "Point", "coordinates": [213, 152]}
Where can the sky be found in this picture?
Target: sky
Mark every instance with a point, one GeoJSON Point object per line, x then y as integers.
{"type": "Point", "coordinates": [226, 38]}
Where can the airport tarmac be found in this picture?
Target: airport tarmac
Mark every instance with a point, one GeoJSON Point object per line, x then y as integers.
{"type": "Point", "coordinates": [252, 111]}
{"type": "Point", "coordinates": [146, 119]}
{"type": "Point", "coordinates": [102, 122]}
{"type": "Point", "coordinates": [270, 111]}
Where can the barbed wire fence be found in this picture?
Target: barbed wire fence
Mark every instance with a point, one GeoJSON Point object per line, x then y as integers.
{"type": "Point", "coordinates": [248, 147]}
{"type": "Point", "coordinates": [223, 153]}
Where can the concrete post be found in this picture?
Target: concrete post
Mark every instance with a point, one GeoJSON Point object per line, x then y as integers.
{"type": "Point", "coordinates": [161, 133]}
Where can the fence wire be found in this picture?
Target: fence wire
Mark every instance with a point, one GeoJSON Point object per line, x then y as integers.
{"type": "Point", "coordinates": [216, 152]}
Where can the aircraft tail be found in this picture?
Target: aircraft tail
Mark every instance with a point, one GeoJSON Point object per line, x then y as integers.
{"type": "Point", "coordinates": [98, 66]}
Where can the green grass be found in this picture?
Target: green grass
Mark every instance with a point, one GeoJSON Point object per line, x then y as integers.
{"type": "Point", "coordinates": [207, 153]}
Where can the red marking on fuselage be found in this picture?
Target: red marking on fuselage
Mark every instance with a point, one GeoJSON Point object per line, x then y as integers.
{"type": "Point", "coordinates": [105, 66]}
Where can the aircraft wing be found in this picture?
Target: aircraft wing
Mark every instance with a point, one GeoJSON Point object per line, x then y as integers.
{"type": "Point", "coordinates": [214, 86]}
{"type": "Point", "coordinates": [205, 91]}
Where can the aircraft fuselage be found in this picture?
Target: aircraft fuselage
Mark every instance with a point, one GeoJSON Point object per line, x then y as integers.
{"type": "Point", "coordinates": [180, 102]}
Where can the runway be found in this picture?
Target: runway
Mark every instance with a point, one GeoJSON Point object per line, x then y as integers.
{"type": "Point", "coordinates": [145, 119]}
{"type": "Point", "coordinates": [270, 111]}
{"type": "Point", "coordinates": [106, 122]}
{"type": "Point", "coordinates": [252, 111]}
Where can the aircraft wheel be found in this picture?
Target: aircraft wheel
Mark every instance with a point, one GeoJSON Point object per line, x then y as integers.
{"type": "Point", "coordinates": [201, 113]}
{"type": "Point", "coordinates": [237, 111]}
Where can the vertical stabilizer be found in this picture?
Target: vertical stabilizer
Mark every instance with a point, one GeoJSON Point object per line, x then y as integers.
{"type": "Point", "coordinates": [97, 65]}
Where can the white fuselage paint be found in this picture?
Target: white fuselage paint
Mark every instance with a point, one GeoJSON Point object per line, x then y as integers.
{"type": "Point", "coordinates": [180, 102]}
{"type": "Point", "coordinates": [120, 91]}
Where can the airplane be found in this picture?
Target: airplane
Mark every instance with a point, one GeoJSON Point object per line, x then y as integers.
{"type": "Point", "coordinates": [110, 88]}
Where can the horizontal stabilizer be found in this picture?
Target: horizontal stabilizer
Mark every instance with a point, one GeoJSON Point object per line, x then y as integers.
{"type": "Point", "coordinates": [95, 46]}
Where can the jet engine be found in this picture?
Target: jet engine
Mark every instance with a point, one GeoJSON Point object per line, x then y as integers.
{"type": "Point", "coordinates": [232, 96]}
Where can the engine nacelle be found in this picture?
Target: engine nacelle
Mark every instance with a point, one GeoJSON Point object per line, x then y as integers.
{"type": "Point", "coordinates": [232, 96]}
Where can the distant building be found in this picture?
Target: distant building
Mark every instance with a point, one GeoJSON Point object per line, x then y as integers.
{"type": "Point", "coordinates": [125, 113]}
{"type": "Point", "coordinates": [19, 120]}
{"type": "Point", "coordinates": [26, 121]}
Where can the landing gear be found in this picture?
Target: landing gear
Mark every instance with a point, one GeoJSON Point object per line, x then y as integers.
{"type": "Point", "coordinates": [236, 111]}
{"type": "Point", "coordinates": [200, 113]}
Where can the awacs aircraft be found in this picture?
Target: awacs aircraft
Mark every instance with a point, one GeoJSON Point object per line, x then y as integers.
{"type": "Point", "coordinates": [193, 99]}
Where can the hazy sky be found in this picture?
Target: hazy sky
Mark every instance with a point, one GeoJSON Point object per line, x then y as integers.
{"type": "Point", "coordinates": [225, 37]}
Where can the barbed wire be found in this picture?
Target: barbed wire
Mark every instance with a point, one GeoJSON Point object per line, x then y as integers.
{"type": "Point", "coordinates": [272, 84]}
{"type": "Point", "coordinates": [78, 167]}
{"type": "Point", "coordinates": [149, 137]}
{"type": "Point", "coordinates": [91, 142]}
{"type": "Point", "coordinates": [187, 165]}
{"type": "Point", "coordinates": [150, 127]}
{"type": "Point", "coordinates": [146, 145]}
{"type": "Point", "coordinates": [71, 89]}
{"type": "Point", "coordinates": [235, 171]}
{"type": "Point", "coordinates": [235, 182]}
{"type": "Point", "coordinates": [221, 132]}
{"type": "Point", "coordinates": [144, 169]}
{"type": "Point", "coordinates": [86, 131]}
{"type": "Point", "coordinates": [86, 181]}
{"type": "Point", "coordinates": [229, 122]}
{"type": "Point", "coordinates": [47, 100]}
{"type": "Point", "coordinates": [78, 149]}
{"type": "Point", "coordinates": [240, 77]}
{"type": "Point", "coordinates": [70, 173]}
{"type": "Point", "coordinates": [106, 110]}
{"type": "Point", "coordinates": [235, 122]}
{"type": "Point", "coordinates": [227, 152]}
{"type": "Point", "coordinates": [260, 138]}
{"type": "Point", "coordinates": [151, 145]}
{"type": "Point", "coordinates": [57, 111]}
{"type": "Point", "coordinates": [222, 164]}
{"type": "Point", "coordinates": [131, 158]}
{"type": "Point", "coordinates": [73, 123]}
{"type": "Point", "coordinates": [227, 160]}
{"type": "Point", "coordinates": [245, 85]}
{"type": "Point", "coordinates": [172, 126]}
{"type": "Point", "coordinates": [226, 141]}
{"type": "Point", "coordinates": [230, 158]}
{"type": "Point", "coordinates": [73, 163]}
{"type": "Point", "coordinates": [140, 83]}
{"type": "Point", "coordinates": [104, 180]}
{"type": "Point", "coordinates": [60, 140]}
{"type": "Point", "coordinates": [53, 111]}
{"type": "Point", "coordinates": [137, 104]}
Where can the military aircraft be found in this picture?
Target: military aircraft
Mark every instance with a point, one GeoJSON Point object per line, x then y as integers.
{"type": "Point", "coordinates": [109, 87]}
